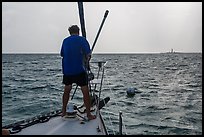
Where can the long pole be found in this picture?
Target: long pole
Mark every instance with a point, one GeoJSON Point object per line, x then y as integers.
{"type": "Point", "coordinates": [104, 18]}
{"type": "Point", "coordinates": [81, 16]}
{"type": "Point", "coordinates": [83, 30]}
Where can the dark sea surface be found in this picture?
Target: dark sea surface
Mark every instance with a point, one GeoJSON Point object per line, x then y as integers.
{"type": "Point", "coordinates": [168, 101]}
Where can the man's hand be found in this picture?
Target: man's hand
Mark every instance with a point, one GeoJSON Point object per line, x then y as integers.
{"type": "Point", "coordinates": [88, 57]}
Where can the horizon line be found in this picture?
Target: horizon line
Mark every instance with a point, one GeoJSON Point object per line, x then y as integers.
{"type": "Point", "coordinates": [100, 52]}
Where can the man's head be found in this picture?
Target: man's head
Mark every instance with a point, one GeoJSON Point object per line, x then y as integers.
{"type": "Point", "coordinates": [74, 29]}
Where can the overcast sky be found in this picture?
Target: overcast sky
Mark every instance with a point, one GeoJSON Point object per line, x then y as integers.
{"type": "Point", "coordinates": [131, 27]}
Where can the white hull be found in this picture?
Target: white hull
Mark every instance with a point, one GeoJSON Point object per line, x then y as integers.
{"type": "Point", "coordinates": [66, 126]}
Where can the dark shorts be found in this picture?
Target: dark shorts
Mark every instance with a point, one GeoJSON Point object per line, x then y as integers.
{"type": "Point", "coordinates": [79, 79]}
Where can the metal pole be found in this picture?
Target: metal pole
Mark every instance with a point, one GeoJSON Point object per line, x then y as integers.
{"type": "Point", "coordinates": [104, 18]}
{"type": "Point", "coordinates": [83, 31]}
{"type": "Point", "coordinates": [81, 16]}
{"type": "Point", "coordinates": [120, 123]}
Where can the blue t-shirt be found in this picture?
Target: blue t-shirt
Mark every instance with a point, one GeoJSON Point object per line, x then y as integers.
{"type": "Point", "coordinates": [73, 50]}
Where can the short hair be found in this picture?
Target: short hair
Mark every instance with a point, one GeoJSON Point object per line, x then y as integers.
{"type": "Point", "coordinates": [73, 29]}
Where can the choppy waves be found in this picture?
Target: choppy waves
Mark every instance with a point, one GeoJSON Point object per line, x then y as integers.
{"type": "Point", "coordinates": [168, 101]}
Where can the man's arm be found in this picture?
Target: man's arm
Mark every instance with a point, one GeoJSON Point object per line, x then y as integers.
{"type": "Point", "coordinates": [61, 52]}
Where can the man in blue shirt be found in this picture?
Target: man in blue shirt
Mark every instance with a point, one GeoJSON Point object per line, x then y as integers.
{"type": "Point", "coordinates": [73, 51]}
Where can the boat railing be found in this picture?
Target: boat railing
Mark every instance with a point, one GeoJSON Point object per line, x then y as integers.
{"type": "Point", "coordinates": [98, 68]}
{"type": "Point", "coordinates": [113, 119]}
{"type": "Point", "coordinates": [99, 79]}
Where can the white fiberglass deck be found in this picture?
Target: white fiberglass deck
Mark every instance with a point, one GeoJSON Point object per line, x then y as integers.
{"type": "Point", "coordinates": [65, 126]}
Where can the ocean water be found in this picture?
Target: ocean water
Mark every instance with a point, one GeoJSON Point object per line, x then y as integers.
{"type": "Point", "coordinates": [168, 101]}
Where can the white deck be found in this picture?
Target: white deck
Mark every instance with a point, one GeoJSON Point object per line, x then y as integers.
{"type": "Point", "coordinates": [65, 126]}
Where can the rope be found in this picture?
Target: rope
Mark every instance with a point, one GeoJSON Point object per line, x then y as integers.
{"type": "Point", "coordinates": [122, 114]}
{"type": "Point", "coordinates": [111, 124]}
{"type": "Point", "coordinates": [124, 126]}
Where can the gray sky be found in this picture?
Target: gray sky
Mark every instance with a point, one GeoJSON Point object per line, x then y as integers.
{"type": "Point", "coordinates": [131, 27]}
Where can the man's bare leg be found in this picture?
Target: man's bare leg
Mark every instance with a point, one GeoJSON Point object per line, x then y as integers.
{"type": "Point", "coordinates": [87, 102]}
{"type": "Point", "coordinates": [65, 98]}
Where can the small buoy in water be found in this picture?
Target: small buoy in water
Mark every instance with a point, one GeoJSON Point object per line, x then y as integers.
{"type": "Point", "coordinates": [131, 91]}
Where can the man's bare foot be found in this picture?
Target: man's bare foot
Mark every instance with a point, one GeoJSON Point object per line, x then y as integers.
{"type": "Point", "coordinates": [5, 132]}
{"type": "Point", "coordinates": [90, 117]}
{"type": "Point", "coordinates": [63, 113]}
